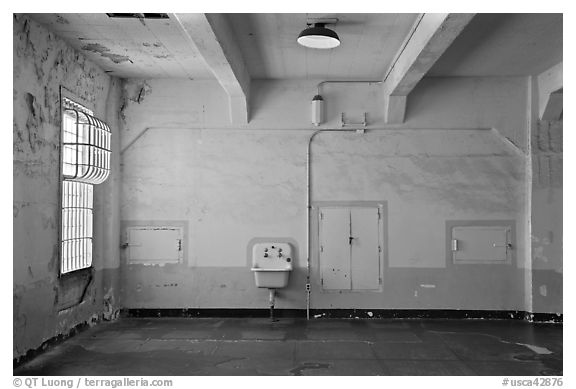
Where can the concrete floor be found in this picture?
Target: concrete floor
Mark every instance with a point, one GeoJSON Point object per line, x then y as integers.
{"type": "Point", "coordinates": [218, 346]}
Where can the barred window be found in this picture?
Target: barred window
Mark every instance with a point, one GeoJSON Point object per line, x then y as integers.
{"type": "Point", "coordinates": [85, 162]}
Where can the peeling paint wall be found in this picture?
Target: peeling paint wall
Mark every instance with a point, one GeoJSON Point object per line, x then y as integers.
{"type": "Point", "coordinates": [44, 305]}
{"type": "Point", "coordinates": [183, 161]}
{"type": "Point", "coordinates": [547, 259]}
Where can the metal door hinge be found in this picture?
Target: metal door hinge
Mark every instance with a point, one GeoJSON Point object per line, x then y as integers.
{"type": "Point", "coordinates": [454, 244]}
{"type": "Point", "coordinates": [379, 249]}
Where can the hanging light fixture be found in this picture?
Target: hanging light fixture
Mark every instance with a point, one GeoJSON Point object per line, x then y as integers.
{"type": "Point", "coordinates": [318, 37]}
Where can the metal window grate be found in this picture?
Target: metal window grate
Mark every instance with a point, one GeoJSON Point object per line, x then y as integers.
{"type": "Point", "coordinates": [77, 202]}
{"type": "Point", "coordinates": [86, 147]}
{"type": "Point", "coordinates": [85, 161]}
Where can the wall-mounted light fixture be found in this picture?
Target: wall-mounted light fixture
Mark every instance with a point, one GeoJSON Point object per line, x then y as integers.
{"type": "Point", "coordinates": [317, 110]}
{"type": "Point", "coordinates": [318, 37]}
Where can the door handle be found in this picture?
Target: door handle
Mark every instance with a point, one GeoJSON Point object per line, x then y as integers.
{"type": "Point", "coordinates": [507, 245]}
{"type": "Point", "coordinates": [126, 245]}
{"type": "Point", "coordinates": [350, 239]}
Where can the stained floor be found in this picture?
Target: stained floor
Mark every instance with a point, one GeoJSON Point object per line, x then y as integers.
{"type": "Point", "coordinates": [222, 346]}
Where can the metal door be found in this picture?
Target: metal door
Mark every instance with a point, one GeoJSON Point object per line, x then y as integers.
{"type": "Point", "coordinates": [350, 248]}
{"type": "Point", "coordinates": [365, 249]}
{"type": "Point", "coordinates": [481, 244]}
{"type": "Point", "coordinates": [154, 245]}
{"type": "Point", "coordinates": [335, 248]}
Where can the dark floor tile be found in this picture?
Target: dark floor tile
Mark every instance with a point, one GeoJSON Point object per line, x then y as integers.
{"type": "Point", "coordinates": [107, 346]}
{"type": "Point", "coordinates": [427, 368]}
{"type": "Point", "coordinates": [512, 368]}
{"type": "Point", "coordinates": [337, 367]}
{"type": "Point", "coordinates": [130, 334]}
{"type": "Point", "coordinates": [264, 335]}
{"type": "Point", "coordinates": [387, 324]}
{"type": "Point", "coordinates": [256, 349]}
{"type": "Point", "coordinates": [485, 348]}
{"type": "Point", "coordinates": [334, 350]}
{"type": "Point", "coordinates": [189, 346]}
{"type": "Point", "coordinates": [324, 324]}
{"type": "Point", "coordinates": [244, 366]}
{"type": "Point", "coordinates": [396, 336]}
{"type": "Point", "coordinates": [331, 334]}
{"type": "Point", "coordinates": [79, 361]}
{"type": "Point", "coordinates": [412, 351]}
{"type": "Point", "coordinates": [192, 334]}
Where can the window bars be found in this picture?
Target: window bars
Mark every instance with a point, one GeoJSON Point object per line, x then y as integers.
{"type": "Point", "coordinates": [86, 147]}
{"type": "Point", "coordinates": [85, 162]}
{"type": "Point", "coordinates": [77, 202]}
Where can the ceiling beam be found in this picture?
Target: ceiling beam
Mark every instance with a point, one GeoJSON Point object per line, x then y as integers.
{"type": "Point", "coordinates": [212, 37]}
{"type": "Point", "coordinates": [550, 93]}
{"type": "Point", "coordinates": [431, 35]}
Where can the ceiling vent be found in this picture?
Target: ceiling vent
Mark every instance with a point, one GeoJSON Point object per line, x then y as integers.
{"type": "Point", "coordinates": [138, 16]}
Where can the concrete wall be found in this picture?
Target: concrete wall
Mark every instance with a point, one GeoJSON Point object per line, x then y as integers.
{"type": "Point", "coordinates": [182, 162]}
{"type": "Point", "coordinates": [45, 305]}
{"type": "Point", "coordinates": [546, 220]}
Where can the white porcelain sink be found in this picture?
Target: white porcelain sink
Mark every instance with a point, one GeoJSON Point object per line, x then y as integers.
{"type": "Point", "coordinates": [271, 264]}
{"type": "Point", "coordinates": [271, 278]}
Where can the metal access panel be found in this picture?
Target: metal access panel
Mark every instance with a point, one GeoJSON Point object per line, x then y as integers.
{"type": "Point", "coordinates": [335, 248]}
{"type": "Point", "coordinates": [365, 248]}
{"type": "Point", "coordinates": [154, 245]}
{"type": "Point", "coordinates": [481, 244]}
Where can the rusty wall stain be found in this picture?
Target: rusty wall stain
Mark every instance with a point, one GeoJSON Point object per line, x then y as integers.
{"type": "Point", "coordinates": [133, 91]}
{"type": "Point", "coordinates": [33, 121]}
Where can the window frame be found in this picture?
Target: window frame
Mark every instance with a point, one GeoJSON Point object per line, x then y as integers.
{"type": "Point", "coordinates": [66, 94]}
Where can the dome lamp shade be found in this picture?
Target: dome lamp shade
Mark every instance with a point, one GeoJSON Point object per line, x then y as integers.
{"type": "Point", "coordinates": [319, 37]}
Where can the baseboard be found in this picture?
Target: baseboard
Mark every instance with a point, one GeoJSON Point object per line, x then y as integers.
{"type": "Point", "coordinates": [346, 313]}
{"type": "Point", "coordinates": [211, 312]}
{"type": "Point", "coordinates": [545, 317]}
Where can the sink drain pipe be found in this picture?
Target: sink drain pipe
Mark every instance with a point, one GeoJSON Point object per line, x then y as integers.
{"type": "Point", "coordinates": [272, 299]}
{"type": "Point", "coordinates": [309, 206]}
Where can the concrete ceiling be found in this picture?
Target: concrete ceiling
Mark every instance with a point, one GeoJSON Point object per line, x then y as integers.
{"type": "Point", "coordinates": [369, 43]}
{"type": "Point", "coordinates": [504, 45]}
{"type": "Point", "coordinates": [129, 48]}
{"type": "Point", "coordinates": [491, 45]}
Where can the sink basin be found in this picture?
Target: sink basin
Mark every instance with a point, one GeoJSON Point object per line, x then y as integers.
{"type": "Point", "coordinates": [271, 278]}
{"type": "Point", "coordinates": [271, 264]}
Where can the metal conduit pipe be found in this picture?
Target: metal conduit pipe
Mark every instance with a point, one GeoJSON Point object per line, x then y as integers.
{"type": "Point", "coordinates": [344, 82]}
{"type": "Point", "coordinates": [309, 207]}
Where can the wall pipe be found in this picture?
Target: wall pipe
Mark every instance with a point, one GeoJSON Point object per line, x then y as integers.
{"type": "Point", "coordinates": [308, 181]}
{"type": "Point", "coordinates": [309, 207]}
